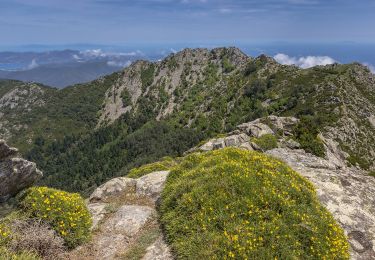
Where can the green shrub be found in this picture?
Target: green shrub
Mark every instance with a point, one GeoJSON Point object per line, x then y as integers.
{"type": "Point", "coordinates": [306, 133]}
{"type": "Point", "coordinates": [358, 160]}
{"type": "Point", "coordinates": [65, 212]}
{"type": "Point", "coordinates": [165, 164]}
{"type": "Point", "coordinates": [227, 65]}
{"type": "Point", "coordinates": [232, 203]}
{"type": "Point", "coordinates": [250, 68]}
{"type": "Point", "coordinates": [126, 98]}
{"type": "Point", "coordinates": [266, 142]}
{"type": "Point", "coordinates": [147, 76]}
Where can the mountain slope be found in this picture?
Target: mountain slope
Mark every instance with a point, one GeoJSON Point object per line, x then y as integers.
{"type": "Point", "coordinates": [31, 112]}
{"type": "Point", "coordinates": [150, 110]}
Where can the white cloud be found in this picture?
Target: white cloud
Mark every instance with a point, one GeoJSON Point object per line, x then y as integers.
{"type": "Point", "coordinates": [304, 62]}
{"type": "Point", "coordinates": [98, 53]}
{"type": "Point", "coordinates": [32, 65]}
{"type": "Point", "coordinates": [119, 63]}
{"type": "Point", "coordinates": [370, 67]}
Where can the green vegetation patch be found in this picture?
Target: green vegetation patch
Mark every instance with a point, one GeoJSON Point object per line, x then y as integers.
{"type": "Point", "coordinates": [232, 203]}
{"type": "Point", "coordinates": [147, 75]}
{"type": "Point", "coordinates": [266, 142]}
{"type": "Point", "coordinates": [306, 133]}
{"type": "Point", "coordinates": [65, 212]}
{"type": "Point", "coordinates": [164, 165]}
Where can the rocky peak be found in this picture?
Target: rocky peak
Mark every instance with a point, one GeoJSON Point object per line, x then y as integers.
{"type": "Point", "coordinates": [16, 173]}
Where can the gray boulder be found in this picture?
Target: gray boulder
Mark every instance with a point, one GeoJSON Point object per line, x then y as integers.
{"type": "Point", "coordinates": [16, 173]}
{"type": "Point", "coordinates": [113, 188]}
{"type": "Point", "coordinates": [151, 185]}
{"type": "Point", "coordinates": [235, 140]}
{"type": "Point", "coordinates": [255, 128]}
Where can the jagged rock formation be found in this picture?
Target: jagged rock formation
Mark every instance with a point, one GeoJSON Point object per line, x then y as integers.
{"type": "Point", "coordinates": [123, 210]}
{"type": "Point", "coordinates": [16, 173]}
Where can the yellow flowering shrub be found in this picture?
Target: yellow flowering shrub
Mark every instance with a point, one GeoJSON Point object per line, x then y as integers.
{"type": "Point", "coordinates": [65, 212]}
{"type": "Point", "coordinates": [236, 204]}
{"type": "Point", "coordinates": [5, 234]}
{"type": "Point", "coordinates": [165, 164]}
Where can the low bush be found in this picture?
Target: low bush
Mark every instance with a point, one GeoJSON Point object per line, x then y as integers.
{"type": "Point", "coordinates": [32, 235]}
{"type": "Point", "coordinates": [6, 254]}
{"type": "Point", "coordinates": [5, 234]}
{"type": "Point", "coordinates": [266, 142]}
{"type": "Point", "coordinates": [236, 204]}
{"type": "Point", "coordinates": [65, 212]}
{"type": "Point", "coordinates": [165, 164]}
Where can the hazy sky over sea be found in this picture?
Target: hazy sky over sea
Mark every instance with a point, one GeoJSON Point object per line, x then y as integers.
{"type": "Point", "coordinates": [151, 21]}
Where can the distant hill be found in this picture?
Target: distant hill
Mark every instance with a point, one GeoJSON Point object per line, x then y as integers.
{"type": "Point", "coordinates": [63, 68]}
{"type": "Point", "coordinates": [87, 133]}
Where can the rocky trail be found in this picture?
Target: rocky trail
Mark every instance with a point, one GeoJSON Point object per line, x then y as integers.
{"type": "Point", "coordinates": [125, 220]}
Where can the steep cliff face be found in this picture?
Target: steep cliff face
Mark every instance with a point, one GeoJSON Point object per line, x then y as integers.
{"type": "Point", "coordinates": [16, 173]}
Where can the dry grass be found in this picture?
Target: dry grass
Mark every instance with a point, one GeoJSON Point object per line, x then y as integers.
{"type": "Point", "coordinates": [35, 236]}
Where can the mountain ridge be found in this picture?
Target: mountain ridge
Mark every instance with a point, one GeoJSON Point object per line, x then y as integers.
{"type": "Point", "coordinates": [113, 123]}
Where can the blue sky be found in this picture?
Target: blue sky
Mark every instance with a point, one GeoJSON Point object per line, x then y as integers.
{"type": "Point", "coordinates": [163, 21]}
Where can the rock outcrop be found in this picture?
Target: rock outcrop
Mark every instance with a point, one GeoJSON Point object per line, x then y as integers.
{"type": "Point", "coordinates": [16, 173]}
{"type": "Point", "coordinates": [346, 192]}
{"type": "Point", "coordinates": [123, 210]}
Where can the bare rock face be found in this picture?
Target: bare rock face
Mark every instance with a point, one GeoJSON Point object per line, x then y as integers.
{"type": "Point", "coordinates": [151, 185]}
{"type": "Point", "coordinates": [346, 192]}
{"type": "Point", "coordinates": [16, 173]}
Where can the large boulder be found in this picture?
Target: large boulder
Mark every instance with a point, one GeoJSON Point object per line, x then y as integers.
{"type": "Point", "coordinates": [235, 140]}
{"type": "Point", "coordinates": [255, 128]}
{"type": "Point", "coordinates": [16, 173]}
{"type": "Point", "coordinates": [151, 185]}
{"type": "Point", "coordinates": [113, 188]}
